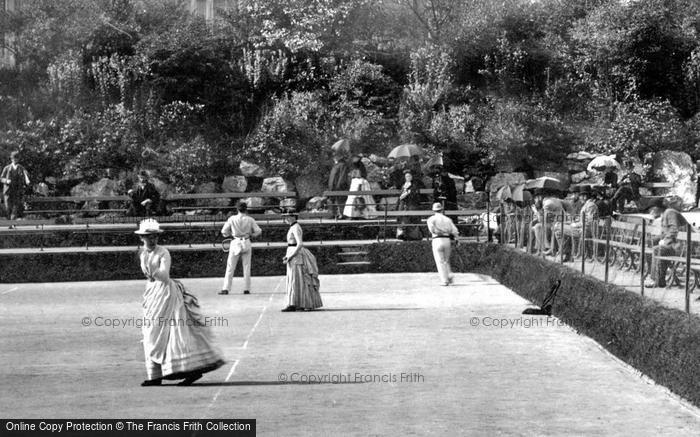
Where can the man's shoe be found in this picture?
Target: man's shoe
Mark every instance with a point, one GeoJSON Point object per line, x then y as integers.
{"type": "Point", "coordinates": [151, 382]}
{"type": "Point", "coordinates": [223, 292]}
{"type": "Point", "coordinates": [289, 309]}
{"type": "Point", "coordinates": [246, 291]}
{"type": "Point", "coordinates": [450, 280]}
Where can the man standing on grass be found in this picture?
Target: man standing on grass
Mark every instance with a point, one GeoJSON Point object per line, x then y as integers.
{"type": "Point", "coordinates": [240, 228]}
{"type": "Point", "coordinates": [15, 180]}
{"type": "Point", "coordinates": [443, 231]}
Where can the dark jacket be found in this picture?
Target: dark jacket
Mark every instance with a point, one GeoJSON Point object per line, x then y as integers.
{"type": "Point", "coordinates": [338, 179]}
{"type": "Point", "coordinates": [148, 191]}
{"type": "Point", "coordinates": [444, 188]}
{"type": "Point", "coordinates": [17, 179]}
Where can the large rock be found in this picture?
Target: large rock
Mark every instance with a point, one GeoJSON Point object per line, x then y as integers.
{"type": "Point", "coordinates": [234, 184]}
{"type": "Point", "coordinates": [276, 185]}
{"type": "Point", "coordinates": [210, 188]}
{"type": "Point", "coordinates": [249, 169]}
{"type": "Point", "coordinates": [103, 187]}
{"type": "Point", "coordinates": [581, 156]}
{"type": "Point", "coordinates": [501, 179]}
{"type": "Point", "coordinates": [42, 189]}
{"type": "Point", "coordinates": [255, 204]}
{"type": "Point", "coordinates": [577, 178]}
{"type": "Point", "coordinates": [676, 167]}
{"type": "Point", "coordinates": [561, 177]}
{"type": "Point", "coordinates": [310, 185]}
{"type": "Point", "coordinates": [575, 166]}
{"type": "Point", "coordinates": [316, 204]}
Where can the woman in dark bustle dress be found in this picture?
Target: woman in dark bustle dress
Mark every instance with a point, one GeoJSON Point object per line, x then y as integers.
{"type": "Point", "coordinates": [302, 271]}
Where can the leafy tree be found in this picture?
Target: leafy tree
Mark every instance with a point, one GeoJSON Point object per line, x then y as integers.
{"type": "Point", "coordinates": [289, 135]}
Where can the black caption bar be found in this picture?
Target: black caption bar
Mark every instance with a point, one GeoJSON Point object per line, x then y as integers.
{"type": "Point", "coordinates": [127, 427]}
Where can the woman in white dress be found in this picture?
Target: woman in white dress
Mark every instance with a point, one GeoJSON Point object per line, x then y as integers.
{"type": "Point", "coordinates": [302, 272]}
{"type": "Point", "coordinates": [176, 341]}
{"type": "Point", "coordinates": [359, 206]}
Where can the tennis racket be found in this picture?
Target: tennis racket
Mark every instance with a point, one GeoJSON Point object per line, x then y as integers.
{"type": "Point", "coordinates": [226, 244]}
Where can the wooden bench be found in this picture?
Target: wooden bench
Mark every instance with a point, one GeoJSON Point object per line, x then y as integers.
{"type": "Point", "coordinates": [180, 197]}
{"type": "Point", "coordinates": [80, 201]}
{"type": "Point", "coordinates": [676, 270]}
{"type": "Point", "coordinates": [76, 200]}
{"type": "Point", "coordinates": [378, 193]}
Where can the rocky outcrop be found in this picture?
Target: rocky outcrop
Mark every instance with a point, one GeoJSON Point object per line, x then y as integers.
{"type": "Point", "coordinates": [249, 169]}
{"type": "Point", "coordinates": [501, 179]}
{"type": "Point", "coordinates": [277, 185]}
{"type": "Point", "coordinates": [234, 184]}
{"type": "Point", "coordinates": [678, 168]}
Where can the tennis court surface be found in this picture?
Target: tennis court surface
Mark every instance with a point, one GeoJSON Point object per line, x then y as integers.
{"type": "Point", "coordinates": [393, 354]}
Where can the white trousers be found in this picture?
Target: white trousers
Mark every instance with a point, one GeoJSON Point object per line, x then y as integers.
{"type": "Point", "coordinates": [231, 267]}
{"type": "Point", "coordinates": [442, 247]}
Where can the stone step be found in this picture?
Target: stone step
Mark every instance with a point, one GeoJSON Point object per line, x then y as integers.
{"type": "Point", "coordinates": [354, 263]}
{"type": "Point", "coordinates": [356, 253]}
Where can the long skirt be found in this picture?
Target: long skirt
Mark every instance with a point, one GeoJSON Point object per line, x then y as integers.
{"type": "Point", "coordinates": [302, 281]}
{"type": "Point", "coordinates": [176, 341]}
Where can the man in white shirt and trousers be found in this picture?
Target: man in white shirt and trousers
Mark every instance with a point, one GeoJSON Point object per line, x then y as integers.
{"type": "Point", "coordinates": [240, 228]}
{"type": "Point", "coordinates": [443, 231]}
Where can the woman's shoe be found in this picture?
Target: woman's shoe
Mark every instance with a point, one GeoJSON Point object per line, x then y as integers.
{"type": "Point", "coordinates": [151, 382]}
{"type": "Point", "coordinates": [289, 309]}
{"type": "Point", "coordinates": [189, 380]}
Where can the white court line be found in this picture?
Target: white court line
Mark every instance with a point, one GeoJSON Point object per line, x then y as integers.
{"type": "Point", "coordinates": [10, 290]}
{"type": "Point", "coordinates": [245, 345]}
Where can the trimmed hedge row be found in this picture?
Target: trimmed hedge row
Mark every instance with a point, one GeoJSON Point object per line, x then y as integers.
{"type": "Point", "coordinates": [660, 342]}
{"type": "Point", "coordinates": [273, 233]}
{"type": "Point", "coordinates": [98, 266]}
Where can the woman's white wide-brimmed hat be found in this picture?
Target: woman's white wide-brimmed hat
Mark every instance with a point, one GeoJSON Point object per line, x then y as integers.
{"type": "Point", "coordinates": [148, 226]}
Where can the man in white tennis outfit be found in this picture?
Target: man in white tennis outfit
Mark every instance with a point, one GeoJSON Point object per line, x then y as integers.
{"type": "Point", "coordinates": [443, 231]}
{"type": "Point", "coordinates": [240, 228]}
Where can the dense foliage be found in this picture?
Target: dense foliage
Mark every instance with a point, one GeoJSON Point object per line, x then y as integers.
{"type": "Point", "coordinates": [120, 84]}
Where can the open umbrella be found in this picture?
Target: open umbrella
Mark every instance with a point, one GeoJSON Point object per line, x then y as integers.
{"type": "Point", "coordinates": [602, 163]}
{"type": "Point", "coordinates": [405, 151]}
{"type": "Point", "coordinates": [544, 182]}
{"type": "Point", "coordinates": [341, 146]}
{"type": "Point", "coordinates": [504, 193]}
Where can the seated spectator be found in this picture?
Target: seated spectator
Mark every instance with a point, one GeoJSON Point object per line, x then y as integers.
{"type": "Point", "coordinates": [629, 188]}
{"type": "Point", "coordinates": [410, 200]}
{"type": "Point", "coordinates": [361, 206]}
{"type": "Point", "coordinates": [604, 205]}
{"type": "Point", "coordinates": [145, 199]}
{"type": "Point", "coordinates": [552, 207]}
{"type": "Point", "coordinates": [573, 231]}
{"type": "Point", "coordinates": [671, 223]}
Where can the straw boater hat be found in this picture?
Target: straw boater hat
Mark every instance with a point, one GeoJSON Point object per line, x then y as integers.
{"type": "Point", "coordinates": [148, 227]}
{"type": "Point", "coordinates": [437, 206]}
